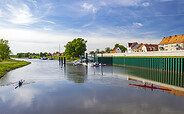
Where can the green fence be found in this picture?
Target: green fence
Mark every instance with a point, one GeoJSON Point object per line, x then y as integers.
{"type": "Point", "coordinates": [105, 60]}
{"type": "Point", "coordinates": [167, 64]}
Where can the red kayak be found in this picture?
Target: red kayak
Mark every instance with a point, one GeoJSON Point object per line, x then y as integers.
{"type": "Point", "coordinates": [141, 85]}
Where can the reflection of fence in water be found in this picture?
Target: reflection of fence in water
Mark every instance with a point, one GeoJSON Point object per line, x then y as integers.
{"type": "Point", "coordinates": [160, 69]}
{"type": "Point", "coordinates": [171, 78]}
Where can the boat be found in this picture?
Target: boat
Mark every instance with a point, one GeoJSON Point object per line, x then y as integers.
{"type": "Point", "coordinates": [96, 64]}
{"type": "Point", "coordinates": [91, 64]}
{"type": "Point", "coordinates": [152, 87]}
{"type": "Point", "coordinates": [51, 58]}
{"type": "Point", "coordinates": [77, 63]}
{"type": "Point", "coordinates": [101, 64]}
{"type": "Point", "coordinates": [43, 58]}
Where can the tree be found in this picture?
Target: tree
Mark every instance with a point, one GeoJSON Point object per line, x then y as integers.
{"type": "Point", "coordinates": [108, 49]}
{"type": "Point", "coordinates": [41, 54]}
{"type": "Point", "coordinates": [102, 51]}
{"type": "Point", "coordinates": [121, 47]}
{"type": "Point", "coordinates": [91, 52]}
{"type": "Point", "coordinates": [97, 51]}
{"type": "Point", "coordinates": [4, 49]}
{"type": "Point", "coordinates": [75, 48]}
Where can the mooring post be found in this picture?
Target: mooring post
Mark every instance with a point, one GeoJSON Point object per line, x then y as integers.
{"type": "Point", "coordinates": [94, 57]}
{"type": "Point", "coordinates": [86, 58]}
{"type": "Point", "coordinates": [64, 60]}
{"type": "Point", "coordinates": [102, 58]}
{"type": "Point", "coordinates": [61, 60]}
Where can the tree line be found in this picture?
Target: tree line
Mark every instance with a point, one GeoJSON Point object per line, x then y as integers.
{"type": "Point", "coordinates": [33, 55]}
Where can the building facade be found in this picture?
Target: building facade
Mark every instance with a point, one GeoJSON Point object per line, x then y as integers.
{"type": "Point", "coordinates": [172, 43]}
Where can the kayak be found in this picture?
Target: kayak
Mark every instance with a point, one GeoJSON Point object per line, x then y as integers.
{"type": "Point", "coordinates": [152, 87]}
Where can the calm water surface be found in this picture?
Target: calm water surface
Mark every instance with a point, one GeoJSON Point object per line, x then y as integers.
{"type": "Point", "coordinates": [52, 89]}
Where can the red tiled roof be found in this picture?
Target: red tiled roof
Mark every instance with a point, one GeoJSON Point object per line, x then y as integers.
{"type": "Point", "coordinates": [133, 44]}
{"type": "Point", "coordinates": [114, 51]}
{"type": "Point", "coordinates": [141, 46]}
{"type": "Point", "coordinates": [151, 46]}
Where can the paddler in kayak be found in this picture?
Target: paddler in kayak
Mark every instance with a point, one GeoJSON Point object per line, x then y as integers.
{"type": "Point", "coordinates": [144, 83]}
{"type": "Point", "coordinates": [20, 83]}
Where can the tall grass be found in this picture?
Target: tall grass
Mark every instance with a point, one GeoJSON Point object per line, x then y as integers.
{"type": "Point", "coordinates": [8, 65]}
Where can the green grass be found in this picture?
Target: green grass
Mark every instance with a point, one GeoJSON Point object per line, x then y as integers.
{"type": "Point", "coordinates": [8, 65]}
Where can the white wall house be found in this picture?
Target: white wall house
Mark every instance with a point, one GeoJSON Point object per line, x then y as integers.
{"type": "Point", "coordinates": [117, 50]}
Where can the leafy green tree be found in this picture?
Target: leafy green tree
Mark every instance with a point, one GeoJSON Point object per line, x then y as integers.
{"type": "Point", "coordinates": [102, 51]}
{"type": "Point", "coordinates": [108, 49]}
{"type": "Point", "coordinates": [4, 49]}
{"type": "Point", "coordinates": [121, 47]}
{"type": "Point", "coordinates": [97, 51]}
{"type": "Point", "coordinates": [75, 48]}
{"type": "Point", "coordinates": [41, 54]}
{"type": "Point", "coordinates": [91, 52]}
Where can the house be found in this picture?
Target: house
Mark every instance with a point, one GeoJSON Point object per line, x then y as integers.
{"type": "Point", "coordinates": [172, 43]}
{"type": "Point", "coordinates": [117, 50]}
{"type": "Point", "coordinates": [130, 45]}
{"type": "Point", "coordinates": [58, 54]}
{"type": "Point", "coordinates": [133, 47]}
{"type": "Point", "coordinates": [148, 47]}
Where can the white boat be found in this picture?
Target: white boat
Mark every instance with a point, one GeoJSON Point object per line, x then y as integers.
{"type": "Point", "coordinates": [77, 63]}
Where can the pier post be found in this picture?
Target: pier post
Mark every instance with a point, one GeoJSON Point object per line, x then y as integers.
{"type": "Point", "coordinates": [61, 60]}
{"type": "Point", "coordinates": [94, 57]}
{"type": "Point", "coordinates": [102, 58]}
{"type": "Point", "coordinates": [86, 58]}
{"type": "Point", "coordinates": [64, 60]}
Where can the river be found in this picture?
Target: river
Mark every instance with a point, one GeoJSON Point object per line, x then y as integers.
{"type": "Point", "coordinates": [50, 88]}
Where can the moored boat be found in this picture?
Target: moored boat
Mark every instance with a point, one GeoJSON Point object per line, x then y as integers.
{"type": "Point", "coordinates": [152, 87]}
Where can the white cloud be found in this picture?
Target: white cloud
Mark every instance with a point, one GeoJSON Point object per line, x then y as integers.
{"type": "Point", "coordinates": [121, 2]}
{"type": "Point", "coordinates": [137, 24]}
{"type": "Point", "coordinates": [1, 13]}
{"type": "Point", "coordinates": [89, 7]}
{"type": "Point", "coordinates": [21, 15]}
{"type": "Point", "coordinates": [51, 22]}
{"type": "Point", "coordinates": [146, 4]}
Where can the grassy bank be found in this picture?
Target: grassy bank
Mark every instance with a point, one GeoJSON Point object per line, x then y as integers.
{"type": "Point", "coordinates": [8, 65]}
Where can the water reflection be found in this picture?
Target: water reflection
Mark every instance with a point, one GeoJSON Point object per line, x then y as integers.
{"type": "Point", "coordinates": [77, 74]}
{"type": "Point", "coordinates": [170, 78]}
{"type": "Point", "coordinates": [104, 90]}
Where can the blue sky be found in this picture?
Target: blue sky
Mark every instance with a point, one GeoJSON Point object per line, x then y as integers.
{"type": "Point", "coordinates": [41, 25]}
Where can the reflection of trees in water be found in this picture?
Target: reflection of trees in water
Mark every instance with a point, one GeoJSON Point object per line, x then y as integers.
{"type": "Point", "coordinates": [171, 78]}
{"type": "Point", "coordinates": [78, 74]}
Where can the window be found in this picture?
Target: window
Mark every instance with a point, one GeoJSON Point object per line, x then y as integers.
{"type": "Point", "coordinates": [153, 48]}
